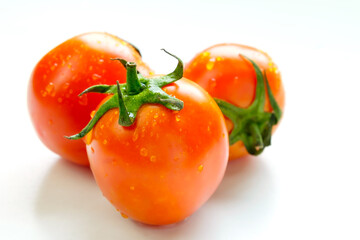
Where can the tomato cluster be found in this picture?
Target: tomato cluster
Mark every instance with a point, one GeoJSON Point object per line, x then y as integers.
{"type": "Point", "coordinates": [158, 146]}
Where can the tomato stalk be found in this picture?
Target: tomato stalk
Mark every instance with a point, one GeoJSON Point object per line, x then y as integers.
{"type": "Point", "coordinates": [253, 125]}
{"type": "Point", "coordinates": [130, 96]}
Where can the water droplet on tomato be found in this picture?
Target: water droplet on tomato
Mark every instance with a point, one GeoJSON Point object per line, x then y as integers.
{"type": "Point", "coordinates": [210, 64]}
{"type": "Point", "coordinates": [212, 83]}
{"type": "Point", "coordinates": [105, 142]}
{"type": "Point", "coordinates": [123, 215]}
{"type": "Point", "coordinates": [135, 136]}
{"type": "Point", "coordinates": [200, 168]}
{"type": "Point", "coordinates": [83, 100]}
{"type": "Point", "coordinates": [153, 159]}
{"type": "Point", "coordinates": [95, 76]}
{"type": "Point", "coordinates": [92, 114]}
{"type": "Point", "coordinates": [143, 152]}
{"type": "Point", "coordinates": [177, 118]}
{"type": "Point", "coordinates": [205, 54]}
{"type": "Point", "coordinates": [156, 115]}
{"type": "Point", "coordinates": [49, 88]}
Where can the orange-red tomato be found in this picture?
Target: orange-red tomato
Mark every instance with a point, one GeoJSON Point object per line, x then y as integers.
{"type": "Point", "coordinates": [55, 108]}
{"type": "Point", "coordinates": [226, 74]}
{"type": "Point", "coordinates": [168, 163]}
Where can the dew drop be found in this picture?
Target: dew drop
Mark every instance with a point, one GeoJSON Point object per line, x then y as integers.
{"type": "Point", "coordinates": [92, 114]}
{"type": "Point", "coordinates": [219, 59]}
{"type": "Point", "coordinates": [66, 85]}
{"type": "Point", "coordinates": [177, 118]}
{"type": "Point", "coordinates": [200, 168]}
{"type": "Point", "coordinates": [153, 159]}
{"type": "Point", "coordinates": [212, 82]}
{"type": "Point", "coordinates": [124, 215]}
{"type": "Point", "coordinates": [95, 76]}
{"type": "Point", "coordinates": [88, 138]}
{"type": "Point", "coordinates": [90, 68]}
{"type": "Point", "coordinates": [83, 100]}
{"type": "Point", "coordinates": [143, 152]}
{"type": "Point", "coordinates": [105, 142]}
{"type": "Point", "coordinates": [135, 136]}
{"type": "Point", "coordinates": [49, 88]}
{"type": "Point", "coordinates": [205, 54]}
{"type": "Point", "coordinates": [156, 115]}
{"type": "Point", "coordinates": [210, 65]}
{"type": "Point", "coordinates": [102, 126]}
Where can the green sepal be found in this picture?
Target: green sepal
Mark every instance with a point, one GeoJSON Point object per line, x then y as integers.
{"type": "Point", "coordinates": [130, 96]}
{"type": "Point", "coordinates": [253, 126]}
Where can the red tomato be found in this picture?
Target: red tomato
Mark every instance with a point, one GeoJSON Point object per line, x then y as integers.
{"type": "Point", "coordinates": [226, 74]}
{"type": "Point", "coordinates": [55, 108]}
{"type": "Point", "coordinates": [168, 155]}
{"type": "Point", "coordinates": [168, 163]}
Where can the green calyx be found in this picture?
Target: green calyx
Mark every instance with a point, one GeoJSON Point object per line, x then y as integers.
{"type": "Point", "coordinates": [130, 96]}
{"type": "Point", "coordinates": [253, 126]}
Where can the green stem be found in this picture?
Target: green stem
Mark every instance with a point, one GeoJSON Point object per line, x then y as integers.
{"type": "Point", "coordinates": [253, 126]}
{"type": "Point", "coordinates": [133, 84]}
{"type": "Point", "coordinates": [130, 96]}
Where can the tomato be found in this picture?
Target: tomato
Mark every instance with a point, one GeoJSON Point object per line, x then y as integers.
{"type": "Point", "coordinates": [55, 108]}
{"type": "Point", "coordinates": [165, 163]}
{"type": "Point", "coordinates": [225, 72]}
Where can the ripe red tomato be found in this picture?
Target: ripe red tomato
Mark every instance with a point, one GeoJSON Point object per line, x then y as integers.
{"type": "Point", "coordinates": [164, 165]}
{"type": "Point", "coordinates": [55, 108]}
{"type": "Point", "coordinates": [226, 74]}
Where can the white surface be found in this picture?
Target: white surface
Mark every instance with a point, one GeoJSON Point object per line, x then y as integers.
{"type": "Point", "coordinates": [306, 186]}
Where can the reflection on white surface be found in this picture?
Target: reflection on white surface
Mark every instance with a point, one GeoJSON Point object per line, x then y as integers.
{"type": "Point", "coordinates": [70, 205]}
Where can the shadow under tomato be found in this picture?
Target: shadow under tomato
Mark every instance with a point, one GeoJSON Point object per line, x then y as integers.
{"type": "Point", "coordinates": [71, 206]}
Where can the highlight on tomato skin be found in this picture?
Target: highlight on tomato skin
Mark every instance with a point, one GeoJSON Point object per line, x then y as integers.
{"type": "Point", "coordinates": [226, 73]}
{"type": "Point", "coordinates": [55, 108]}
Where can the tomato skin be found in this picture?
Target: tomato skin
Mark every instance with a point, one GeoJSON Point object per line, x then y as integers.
{"type": "Point", "coordinates": [168, 163]}
{"type": "Point", "coordinates": [55, 108]}
{"type": "Point", "coordinates": [225, 74]}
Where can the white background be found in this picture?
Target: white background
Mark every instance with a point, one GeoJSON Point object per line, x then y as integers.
{"type": "Point", "coordinates": [305, 186]}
